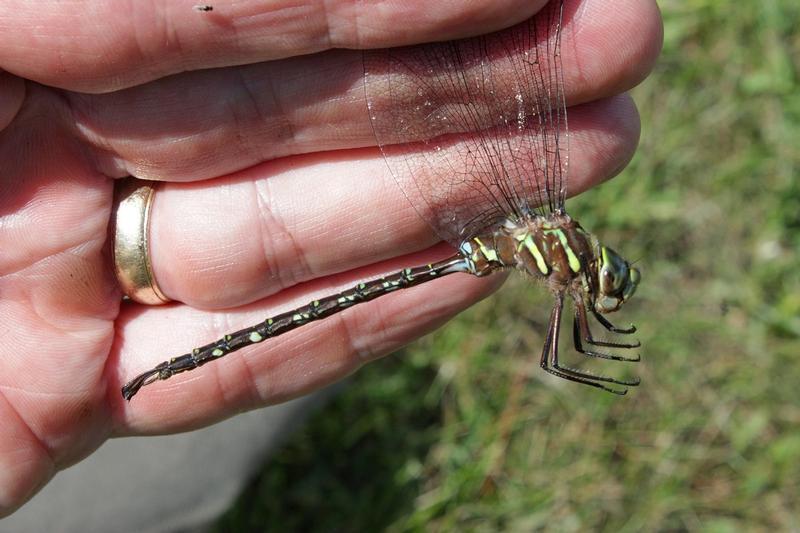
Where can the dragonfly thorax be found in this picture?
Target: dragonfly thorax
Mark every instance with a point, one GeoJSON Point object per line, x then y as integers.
{"type": "Point", "coordinates": [557, 249]}
{"type": "Point", "coordinates": [553, 247]}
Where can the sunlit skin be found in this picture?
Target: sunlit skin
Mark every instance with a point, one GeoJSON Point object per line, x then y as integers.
{"type": "Point", "coordinates": [274, 195]}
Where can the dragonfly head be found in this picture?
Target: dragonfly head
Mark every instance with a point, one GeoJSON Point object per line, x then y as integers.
{"type": "Point", "coordinates": [616, 280]}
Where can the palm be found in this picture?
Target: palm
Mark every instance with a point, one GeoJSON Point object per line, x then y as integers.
{"type": "Point", "coordinates": [59, 301]}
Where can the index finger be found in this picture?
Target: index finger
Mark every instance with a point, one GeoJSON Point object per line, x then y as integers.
{"type": "Point", "coordinates": [100, 47]}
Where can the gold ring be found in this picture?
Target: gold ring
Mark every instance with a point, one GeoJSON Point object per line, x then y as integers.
{"type": "Point", "coordinates": [134, 200]}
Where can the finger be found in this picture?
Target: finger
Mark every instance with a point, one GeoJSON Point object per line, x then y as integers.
{"type": "Point", "coordinates": [206, 124]}
{"type": "Point", "coordinates": [623, 36]}
{"type": "Point", "coordinates": [12, 93]}
{"type": "Point", "coordinates": [280, 368]}
{"type": "Point", "coordinates": [108, 47]}
{"type": "Point", "coordinates": [237, 239]}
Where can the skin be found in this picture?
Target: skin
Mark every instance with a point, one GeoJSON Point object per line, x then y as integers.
{"type": "Point", "coordinates": [256, 213]}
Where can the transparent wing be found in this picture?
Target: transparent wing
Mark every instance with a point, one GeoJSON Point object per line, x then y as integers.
{"type": "Point", "coordinates": [475, 130]}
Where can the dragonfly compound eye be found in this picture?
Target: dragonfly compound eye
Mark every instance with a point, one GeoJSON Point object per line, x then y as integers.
{"type": "Point", "coordinates": [617, 281]}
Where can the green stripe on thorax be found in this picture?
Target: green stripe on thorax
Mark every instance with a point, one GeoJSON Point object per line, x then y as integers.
{"type": "Point", "coordinates": [488, 252]}
{"type": "Point", "coordinates": [574, 262]}
{"type": "Point", "coordinates": [526, 240]}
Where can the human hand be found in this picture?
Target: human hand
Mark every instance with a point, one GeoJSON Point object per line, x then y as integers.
{"type": "Point", "coordinates": [272, 187]}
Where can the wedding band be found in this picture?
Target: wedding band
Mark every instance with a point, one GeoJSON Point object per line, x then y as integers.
{"type": "Point", "coordinates": [134, 200]}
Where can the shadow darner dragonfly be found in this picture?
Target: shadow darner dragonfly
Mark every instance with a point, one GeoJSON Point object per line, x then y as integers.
{"type": "Point", "coordinates": [479, 147]}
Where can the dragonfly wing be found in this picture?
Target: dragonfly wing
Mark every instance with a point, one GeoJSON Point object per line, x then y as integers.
{"type": "Point", "coordinates": [474, 130]}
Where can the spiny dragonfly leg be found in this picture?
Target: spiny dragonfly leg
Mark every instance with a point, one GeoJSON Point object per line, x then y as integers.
{"type": "Point", "coordinates": [581, 331]}
{"type": "Point", "coordinates": [611, 327]}
{"type": "Point", "coordinates": [549, 360]}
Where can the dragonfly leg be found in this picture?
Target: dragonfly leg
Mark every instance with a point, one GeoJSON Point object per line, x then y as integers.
{"type": "Point", "coordinates": [549, 360]}
{"type": "Point", "coordinates": [611, 327]}
{"type": "Point", "coordinates": [581, 331]}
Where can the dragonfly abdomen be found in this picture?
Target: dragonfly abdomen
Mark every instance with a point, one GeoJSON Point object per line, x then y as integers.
{"type": "Point", "coordinates": [285, 322]}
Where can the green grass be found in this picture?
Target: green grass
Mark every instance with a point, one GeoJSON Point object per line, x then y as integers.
{"type": "Point", "coordinates": [452, 436]}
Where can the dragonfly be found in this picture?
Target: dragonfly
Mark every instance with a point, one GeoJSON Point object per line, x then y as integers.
{"type": "Point", "coordinates": [475, 134]}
